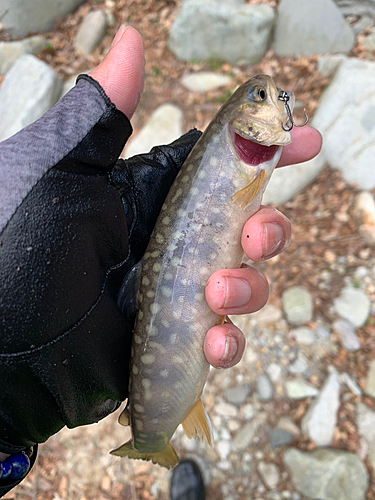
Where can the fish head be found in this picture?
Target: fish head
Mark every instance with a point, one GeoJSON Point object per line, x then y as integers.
{"type": "Point", "coordinates": [259, 114]}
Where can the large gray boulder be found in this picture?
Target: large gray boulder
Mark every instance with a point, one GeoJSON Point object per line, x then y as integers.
{"type": "Point", "coordinates": [346, 118]}
{"type": "Point", "coordinates": [306, 27]}
{"type": "Point", "coordinates": [11, 51]}
{"type": "Point", "coordinates": [30, 88]}
{"type": "Point", "coordinates": [20, 17]}
{"type": "Point", "coordinates": [228, 31]}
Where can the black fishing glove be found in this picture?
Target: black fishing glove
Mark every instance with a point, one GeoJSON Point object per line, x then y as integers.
{"type": "Point", "coordinates": [73, 223]}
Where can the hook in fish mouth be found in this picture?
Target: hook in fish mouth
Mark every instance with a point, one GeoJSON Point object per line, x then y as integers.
{"type": "Point", "coordinates": [283, 96]}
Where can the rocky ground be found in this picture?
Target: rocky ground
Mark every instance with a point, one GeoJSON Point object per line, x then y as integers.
{"type": "Point", "coordinates": [302, 398]}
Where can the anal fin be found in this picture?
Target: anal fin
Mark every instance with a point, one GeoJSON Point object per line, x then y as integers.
{"type": "Point", "coordinates": [247, 195]}
{"type": "Point", "coordinates": [197, 423]}
{"type": "Point", "coordinates": [166, 457]}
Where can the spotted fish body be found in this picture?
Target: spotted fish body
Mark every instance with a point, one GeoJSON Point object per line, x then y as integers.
{"type": "Point", "coordinates": [198, 232]}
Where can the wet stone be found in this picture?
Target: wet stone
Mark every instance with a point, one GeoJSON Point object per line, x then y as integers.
{"type": "Point", "coordinates": [269, 474]}
{"type": "Point", "coordinates": [353, 305]}
{"type": "Point", "coordinates": [347, 335]}
{"type": "Point", "coordinates": [264, 387]}
{"type": "Point", "coordinates": [280, 437]}
{"type": "Point", "coordinates": [299, 389]}
{"type": "Point", "coordinates": [304, 335]}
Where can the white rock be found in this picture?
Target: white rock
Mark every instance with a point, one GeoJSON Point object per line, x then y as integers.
{"type": "Point", "coordinates": [30, 88]}
{"type": "Point", "coordinates": [223, 449]}
{"type": "Point", "coordinates": [274, 372]}
{"type": "Point", "coordinates": [205, 81]}
{"type": "Point", "coordinates": [163, 127]}
{"type": "Point", "coordinates": [226, 410]}
{"type": "Point", "coordinates": [244, 437]}
{"type": "Point", "coordinates": [304, 335]}
{"type": "Point", "coordinates": [11, 51]}
{"type": "Point", "coordinates": [20, 17]}
{"type": "Point", "coordinates": [351, 384]}
{"type": "Point", "coordinates": [288, 181]}
{"type": "Point", "coordinates": [348, 337]}
{"type": "Point", "coordinates": [237, 33]}
{"type": "Point", "coordinates": [268, 314]}
{"type": "Point", "coordinates": [287, 424]}
{"type": "Point", "coordinates": [353, 305]}
{"type": "Point", "coordinates": [320, 420]}
{"type": "Point", "coordinates": [297, 305]}
{"type": "Point", "coordinates": [300, 365]}
{"type": "Point", "coordinates": [299, 389]}
{"type": "Point", "coordinates": [269, 473]}
{"type": "Point", "coordinates": [325, 474]}
{"type": "Point", "coordinates": [329, 64]}
{"type": "Point", "coordinates": [91, 31]}
{"type": "Point", "coordinates": [312, 28]}
{"type": "Point", "coordinates": [363, 24]}
{"type": "Point", "coordinates": [350, 115]}
{"type": "Point", "coordinates": [364, 210]}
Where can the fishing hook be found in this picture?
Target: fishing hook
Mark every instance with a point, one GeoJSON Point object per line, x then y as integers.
{"type": "Point", "coordinates": [283, 96]}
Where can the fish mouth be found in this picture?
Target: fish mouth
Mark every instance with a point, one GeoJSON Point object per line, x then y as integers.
{"type": "Point", "coordinates": [251, 152]}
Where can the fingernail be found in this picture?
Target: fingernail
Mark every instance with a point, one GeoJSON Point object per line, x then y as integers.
{"type": "Point", "coordinates": [274, 239]}
{"type": "Point", "coordinates": [119, 34]}
{"type": "Point", "coordinates": [237, 292]}
{"type": "Point", "coordinates": [230, 349]}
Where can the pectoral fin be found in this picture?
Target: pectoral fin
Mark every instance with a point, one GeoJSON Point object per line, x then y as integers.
{"type": "Point", "coordinates": [166, 457]}
{"type": "Point", "coordinates": [197, 423]}
{"type": "Point", "coordinates": [247, 195]}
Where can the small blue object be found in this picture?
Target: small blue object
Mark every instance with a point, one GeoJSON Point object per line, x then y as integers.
{"type": "Point", "coordinates": [7, 469]}
{"type": "Point", "coordinates": [19, 465]}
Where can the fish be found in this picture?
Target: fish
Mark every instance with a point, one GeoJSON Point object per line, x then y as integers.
{"type": "Point", "coordinates": [198, 231]}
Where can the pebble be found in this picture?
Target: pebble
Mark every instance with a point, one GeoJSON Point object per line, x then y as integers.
{"type": "Point", "coordinates": [304, 335]}
{"type": "Point", "coordinates": [244, 437]}
{"type": "Point", "coordinates": [287, 424]}
{"type": "Point", "coordinates": [91, 31]}
{"type": "Point", "coordinates": [363, 24]}
{"type": "Point", "coordinates": [366, 427]}
{"type": "Point", "coordinates": [163, 127]}
{"type": "Point", "coordinates": [268, 314]}
{"type": "Point", "coordinates": [269, 474]}
{"type": "Point", "coordinates": [320, 421]}
{"type": "Point", "coordinates": [264, 387]}
{"type": "Point", "coordinates": [351, 384]}
{"type": "Point", "coordinates": [223, 449]}
{"type": "Point", "coordinates": [327, 474]}
{"type": "Point", "coordinates": [299, 365]}
{"type": "Point", "coordinates": [347, 335]}
{"type": "Point", "coordinates": [299, 389]}
{"type": "Point", "coordinates": [247, 412]}
{"type": "Point", "coordinates": [370, 379]}
{"type": "Point", "coordinates": [11, 51]}
{"type": "Point", "coordinates": [280, 437]}
{"type": "Point", "coordinates": [274, 372]}
{"type": "Point", "coordinates": [237, 395]}
{"type": "Point", "coordinates": [205, 81]}
{"type": "Point", "coordinates": [353, 305]}
{"type": "Point", "coordinates": [297, 305]}
{"type": "Point", "coordinates": [226, 410]}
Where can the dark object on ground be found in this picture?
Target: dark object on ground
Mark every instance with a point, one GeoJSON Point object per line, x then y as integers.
{"type": "Point", "coordinates": [187, 482]}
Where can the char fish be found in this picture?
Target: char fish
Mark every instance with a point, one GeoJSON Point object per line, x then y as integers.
{"type": "Point", "coordinates": [198, 232]}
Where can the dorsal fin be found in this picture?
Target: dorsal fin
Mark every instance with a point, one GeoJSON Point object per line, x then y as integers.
{"type": "Point", "coordinates": [197, 423]}
{"type": "Point", "coordinates": [247, 195]}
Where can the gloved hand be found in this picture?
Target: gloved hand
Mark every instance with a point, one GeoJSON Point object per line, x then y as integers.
{"type": "Point", "coordinates": [73, 222]}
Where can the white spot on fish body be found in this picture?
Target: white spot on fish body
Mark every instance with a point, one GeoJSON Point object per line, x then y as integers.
{"type": "Point", "coordinates": [190, 167]}
{"type": "Point", "coordinates": [194, 191]}
{"type": "Point", "coordinates": [165, 323]}
{"type": "Point", "coordinates": [164, 373]}
{"type": "Point", "coordinates": [173, 338]}
{"type": "Point", "coordinates": [167, 292]}
{"type": "Point", "coordinates": [159, 238]}
{"type": "Point", "coordinates": [181, 212]}
{"type": "Point", "coordinates": [201, 174]}
{"type": "Point", "coordinates": [137, 339]}
{"type": "Point", "coordinates": [155, 254]}
{"type": "Point", "coordinates": [204, 271]}
{"type": "Point", "coordinates": [175, 261]}
{"type": "Point", "coordinates": [156, 267]}
{"type": "Point", "coordinates": [214, 161]}
{"type": "Point", "coordinates": [166, 220]}
{"type": "Point", "coordinates": [165, 395]}
{"type": "Point", "coordinates": [135, 370]}
{"type": "Point", "coordinates": [150, 294]}
{"type": "Point", "coordinates": [185, 178]}
{"type": "Point", "coordinates": [146, 255]}
{"type": "Point", "coordinates": [177, 359]}
{"type": "Point", "coordinates": [140, 314]}
{"type": "Point", "coordinates": [198, 296]}
{"type": "Point", "coordinates": [138, 424]}
{"type": "Point", "coordinates": [139, 408]}
{"type": "Point", "coordinates": [147, 359]}
{"type": "Point", "coordinates": [155, 308]}
{"type": "Point", "coordinates": [177, 195]}
{"type": "Point", "coordinates": [146, 383]}
{"type": "Point", "coordinates": [152, 330]}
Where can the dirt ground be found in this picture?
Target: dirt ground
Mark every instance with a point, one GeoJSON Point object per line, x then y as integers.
{"type": "Point", "coordinates": [75, 464]}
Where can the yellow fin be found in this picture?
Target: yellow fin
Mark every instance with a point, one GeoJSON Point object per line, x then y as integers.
{"type": "Point", "coordinates": [248, 194]}
{"type": "Point", "coordinates": [124, 417]}
{"type": "Point", "coordinates": [166, 457]}
{"type": "Point", "coordinates": [197, 423]}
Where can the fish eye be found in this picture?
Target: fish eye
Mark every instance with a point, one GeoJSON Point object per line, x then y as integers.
{"type": "Point", "coordinates": [257, 94]}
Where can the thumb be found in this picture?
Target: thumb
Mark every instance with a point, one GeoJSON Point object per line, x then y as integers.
{"type": "Point", "coordinates": [121, 73]}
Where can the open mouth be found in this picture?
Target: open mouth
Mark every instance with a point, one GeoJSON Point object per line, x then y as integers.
{"type": "Point", "coordinates": [251, 152]}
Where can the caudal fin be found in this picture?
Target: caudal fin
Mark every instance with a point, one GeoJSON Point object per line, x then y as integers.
{"type": "Point", "coordinates": [166, 457]}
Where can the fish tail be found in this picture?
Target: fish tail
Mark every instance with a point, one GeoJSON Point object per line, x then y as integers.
{"type": "Point", "coordinates": [166, 457]}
